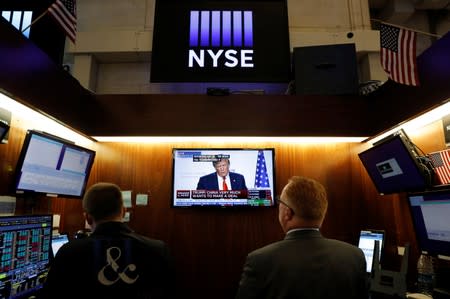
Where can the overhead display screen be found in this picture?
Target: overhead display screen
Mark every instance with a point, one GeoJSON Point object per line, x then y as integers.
{"type": "Point", "coordinates": [220, 41]}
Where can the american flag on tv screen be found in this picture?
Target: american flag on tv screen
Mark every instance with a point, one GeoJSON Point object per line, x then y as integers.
{"type": "Point", "coordinates": [441, 163]}
{"type": "Point", "coordinates": [398, 54]}
{"type": "Point", "coordinates": [65, 13]}
{"type": "Point", "coordinates": [261, 176]}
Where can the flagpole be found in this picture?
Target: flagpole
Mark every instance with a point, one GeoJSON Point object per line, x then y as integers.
{"type": "Point", "coordinates": [37, 19]}
{"type": "Point", "coordinates": [402, 27]}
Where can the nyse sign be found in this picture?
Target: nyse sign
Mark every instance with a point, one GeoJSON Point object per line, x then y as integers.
{"type": "Point", "coordinates": [230, 58]}
{"type": "Point", "coordinates": [221, 39]}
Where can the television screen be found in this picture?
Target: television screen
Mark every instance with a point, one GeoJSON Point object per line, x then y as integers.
{"type": "Point", "coordinates": [4, 128]}
{"type": "Point", "coordinates": [394, 167]}
{"type": "Point", "coordinates": [220, 41]}
{"type": "Point", "coordinates": [223, 177]}
{"type": "Point", "coordinates": [430, 214]}
{"type": "Point", "coordinates": [25, 250]}
{"type": "Point", "coordinates": [51, 165]}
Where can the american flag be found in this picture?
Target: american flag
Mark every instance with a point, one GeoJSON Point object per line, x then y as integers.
{"type": "Point", "coordinates": [441, 163]}
{"type": "Point", "coordinates": [261, 176]}
{"type": "Point", "coordinates": [398, 54]}
{"type": "Point", "coordinates": [65, 13]}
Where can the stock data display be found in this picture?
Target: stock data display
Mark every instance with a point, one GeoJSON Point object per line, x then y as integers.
{"type": "Point", "coordinates": [24, 254]}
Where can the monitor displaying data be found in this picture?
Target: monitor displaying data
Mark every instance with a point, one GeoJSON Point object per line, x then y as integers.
{"type": "Point", "coordinates": [25, 254]}
{"type": "Point", "coordinates": [52, 165]}
{"type": "Point", "coordinates": [366, 243]}
{"type": "Point", "coordinates": [430, 212]}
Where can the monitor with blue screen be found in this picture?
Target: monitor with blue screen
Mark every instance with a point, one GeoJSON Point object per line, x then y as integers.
{"type": "Point", "coordinates": [25, 254]}
{"type": "Point", "coordinates": [394, 166]}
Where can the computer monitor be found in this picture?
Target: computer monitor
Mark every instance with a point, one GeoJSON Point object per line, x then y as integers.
{"type": "Point", "coordinates": [58, 241]}
{"type": "Point", "coordinates": [25, 254]}
{"type": "Point", "coordinates": [430, 213]}
{"type": "Point", "coordinates": [52, 166]}
{"type": "Point", "coordinates": [366, 242]}
{"type": "Point", "coordinates": [394, 165]}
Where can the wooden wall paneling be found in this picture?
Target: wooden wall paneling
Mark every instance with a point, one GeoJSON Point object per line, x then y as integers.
{"type": "Point", "coordinates": [337, 178]}
{"type": "Point", "coordinates": [404, 233]}
{"type": "Point", "coordinates": [58, 207]}
{"type": "Point", "coordinates": [152, 176]}
{"type": "Point", "coordinates": [252, 115]}
{"type": "Point", "coordinates": [429, 138]}
{"type": "Point", "coordinates": [9, 153]}
{"type": "Point", "coordinates": [32, 205]}
{"type": "Point", "coordinates": [359, 180]}
{"type": "Point", "coordinates": [70, 209]}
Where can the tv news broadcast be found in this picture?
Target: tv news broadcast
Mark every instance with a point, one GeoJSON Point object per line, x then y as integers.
{"type": "Point", "coordinates": [223, 178]}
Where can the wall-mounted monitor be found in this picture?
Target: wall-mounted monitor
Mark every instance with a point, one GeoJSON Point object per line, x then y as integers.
{"type": "Point", "coordinates": [4, 128]}
{"type": "Point", "coordinates": [220, 41]}
{"type": "Point", "coordinates": [207, 177]}
{"type": "Point", "coordinates": [51, 165]}
{"type": "Point", "coordinates": [430, 214]}
{"type": "Point", "coordinates": [394, 166]}
{"type": "Point", "coordinates": [25, 250]}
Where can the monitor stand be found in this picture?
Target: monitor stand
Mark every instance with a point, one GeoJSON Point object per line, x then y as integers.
{"type": "Point", "coordinates": [387, 282]}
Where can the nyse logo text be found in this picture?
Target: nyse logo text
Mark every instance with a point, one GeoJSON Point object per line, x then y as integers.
{"type": "Point", "coordinates": [221, 39]}
{"type": "Point", "coordinates": [229, 58]}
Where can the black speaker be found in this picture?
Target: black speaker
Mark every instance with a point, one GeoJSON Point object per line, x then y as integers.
{"type": "Point", "coordinates": [325, 69]}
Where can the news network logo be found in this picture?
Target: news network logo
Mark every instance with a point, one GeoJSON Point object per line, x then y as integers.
{"type": "Point", "coordinates": [221, 38]}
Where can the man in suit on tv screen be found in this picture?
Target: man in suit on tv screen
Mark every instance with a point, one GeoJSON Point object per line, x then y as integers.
{"type": "Point", "coordinates": [222, 179]}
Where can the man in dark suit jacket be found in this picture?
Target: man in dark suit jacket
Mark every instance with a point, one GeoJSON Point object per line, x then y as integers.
{"type": "Point", "coordinates": [305, 264]}
{"type": "Point", "coordinates": [113, 262]}
{"type": "Point", "coordinates": [222, 179]}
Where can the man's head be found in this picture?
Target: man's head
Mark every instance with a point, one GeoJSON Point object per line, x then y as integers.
{"type": "Point", "coordinates": [103, 202]}
{"type": "Point", "coordinates": [222, 166]}
{"type": "Point", "coordinates": [303, 203]}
